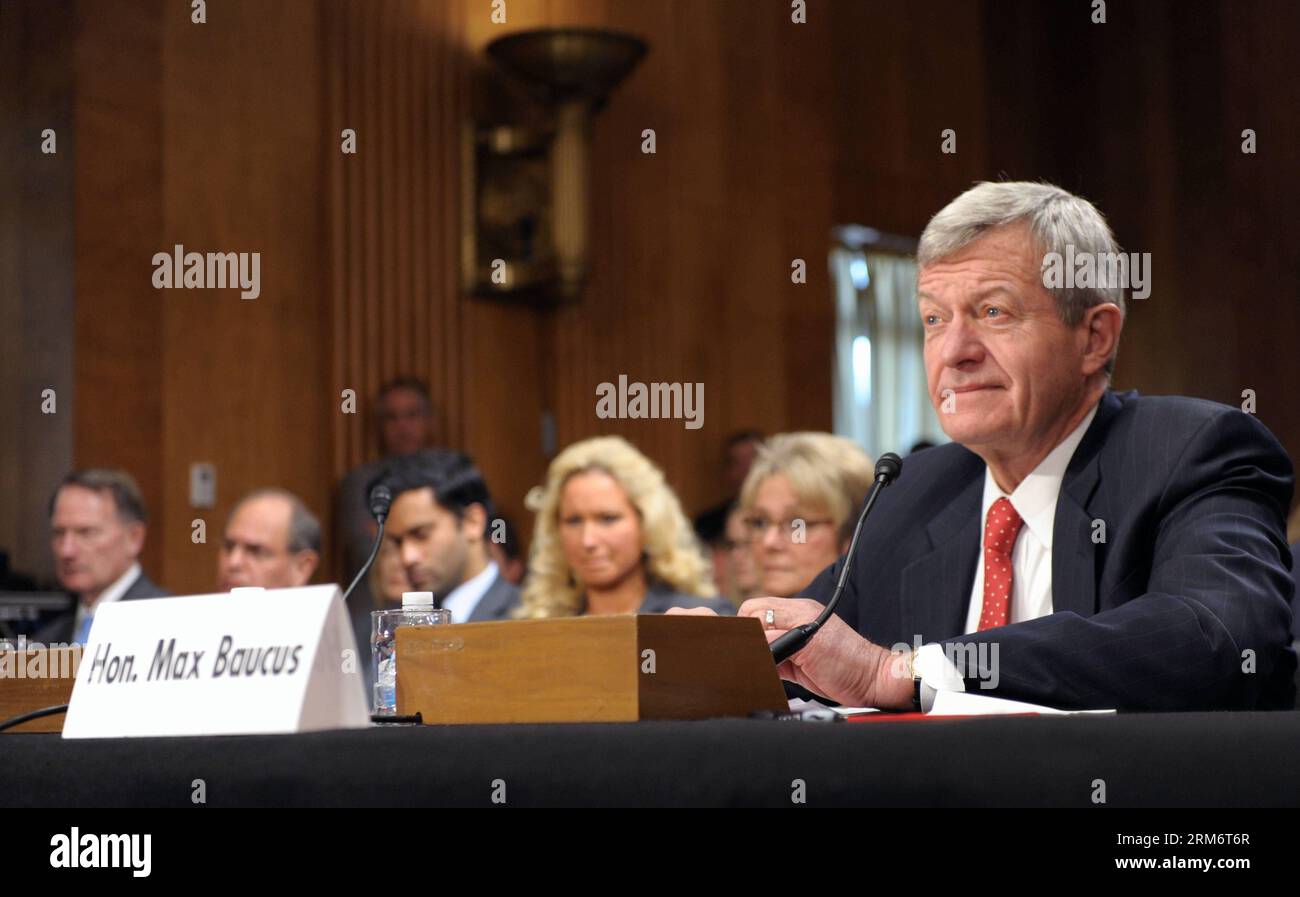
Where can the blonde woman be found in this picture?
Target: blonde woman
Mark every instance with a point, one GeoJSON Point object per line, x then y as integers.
{"type": "Point", "coordinates": [800, 502]}
{"type": "Point", "coordinates": [611, 538]}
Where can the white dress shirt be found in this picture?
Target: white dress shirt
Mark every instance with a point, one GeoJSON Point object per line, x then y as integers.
{"type": "Point", "coordinates": [112, 593]}
{"type": "Point", "coordinates": [462, 600]}
{"type": "Point", "coordinates": [1031, 557]}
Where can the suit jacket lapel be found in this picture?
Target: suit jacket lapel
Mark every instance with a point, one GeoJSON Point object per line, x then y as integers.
{"type": "Point", "coordinates": [1074, 554]}
{"type": "Point", "coordinates": [936, 586]}
{"type": "Point", "coordinates": [138, 588]}
{"type": "Point", "coordinates": [1074, 583]}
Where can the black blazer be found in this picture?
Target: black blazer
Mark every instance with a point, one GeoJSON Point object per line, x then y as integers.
{"type": "Point", "coordinates": [1295, 573]}
{"type": "Point", "coordinates": [1185, 605]}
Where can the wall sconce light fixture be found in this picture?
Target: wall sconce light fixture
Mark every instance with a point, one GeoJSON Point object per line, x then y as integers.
{"type": "Point", "coordinates": [526, 195]}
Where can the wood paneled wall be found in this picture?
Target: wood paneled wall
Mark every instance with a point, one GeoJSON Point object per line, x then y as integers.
{"type": "Point", "coordinates": [36, 271]}
{"type": "Point", "coordinates": [119, 352]}
{"type": "Point", "coordinates": [210, 136]}
{"type": "Point", "coordinates": [245, 383]}
{"type": "Point", "coordinates": [1143, 115]}
{"type": "Point", "coordinates": [394, 78]}
{"type": "Point", "coordinates": [692, 247]}
{"type": "Point", "coordinates": [399, 75]}
{"type": "Point", "coordinates": [1166, 158]}
{"type": "Point", "coordinates": [226, 136]}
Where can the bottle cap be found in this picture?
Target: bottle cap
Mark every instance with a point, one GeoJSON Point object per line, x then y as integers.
{"type": "Point", "coordinates": [417, 599]}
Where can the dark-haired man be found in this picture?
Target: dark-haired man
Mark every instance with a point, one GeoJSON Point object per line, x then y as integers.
{"type": "Point", "coordinates": [440, 523]}
{"type": "Point", "coordinates": [97, 527]}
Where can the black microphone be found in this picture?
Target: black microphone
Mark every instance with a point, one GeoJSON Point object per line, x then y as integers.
{"type": "Point", "coordinates": [380, 498]}
{"type": "Point", "coordinates": [888, 469]}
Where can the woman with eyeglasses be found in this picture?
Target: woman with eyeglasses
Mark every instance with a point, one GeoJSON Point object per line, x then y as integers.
{"type": "Point", "coordinates": [799, 504]}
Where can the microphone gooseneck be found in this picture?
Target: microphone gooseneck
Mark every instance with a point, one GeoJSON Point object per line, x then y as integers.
{"type": "Point", "coordinates": [380, 500]}
{"type": "Point", "coordinates": [888, 469]}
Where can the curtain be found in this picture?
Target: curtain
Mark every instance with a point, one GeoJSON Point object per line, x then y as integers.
{"type": "Point", "coordinates": [880, 394]}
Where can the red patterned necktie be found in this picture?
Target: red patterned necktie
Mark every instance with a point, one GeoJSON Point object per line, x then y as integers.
{"type": "Point", "coordinates": [1000, 531]}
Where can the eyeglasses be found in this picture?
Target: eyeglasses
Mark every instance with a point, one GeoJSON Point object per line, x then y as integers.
{"type": "Point", "coordinates": [756, 527]}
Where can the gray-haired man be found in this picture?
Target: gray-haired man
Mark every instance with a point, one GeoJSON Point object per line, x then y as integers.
{"type": "Point", "coordinates": [1072, 546]}
{"type": "Point", "coordinates": [271, 540]}
{"type": "Point", "coordinates": [97, 527]}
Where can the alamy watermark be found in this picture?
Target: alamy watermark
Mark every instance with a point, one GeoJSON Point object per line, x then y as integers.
{"type": "Point", "coordinates": [1099, 271]}
{"type": "Point", "coordinates": [972, 660]}
{"type": "Point", "coordinates": [181, 270]}
{"type": "Point", "coordinates": [76, 850]}
{"type": "Point", "coordinates": [30, 660]}
{"type": "Point", "coordinates": [675, 401]}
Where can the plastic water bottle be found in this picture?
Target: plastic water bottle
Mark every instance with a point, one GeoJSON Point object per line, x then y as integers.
{"type": "Point", "coordinates": [417, 610]}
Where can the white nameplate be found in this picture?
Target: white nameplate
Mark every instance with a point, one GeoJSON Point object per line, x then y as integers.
{"type": "Point", "coordinates": [282, 660]}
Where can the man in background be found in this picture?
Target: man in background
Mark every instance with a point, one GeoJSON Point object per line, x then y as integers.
{"type": "Point", "coordinates": [271, 540]}
{"type": "Point", "coordinates": [741, 577]}
{"type": "Point", "coordinates": [97, 530]}
{"type": "Point", "coordinates": [404, 422]}
{"type": "Point", "coordinates": [506, 551]}
{"type": "Point", "coordinates": [439, 524]}
{"type": "Point", "coordinates": [739, 452]}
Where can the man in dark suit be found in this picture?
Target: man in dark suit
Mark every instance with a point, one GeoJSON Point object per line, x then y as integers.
{"type": "Point", "coordinates": [1073, 547]}
{"type": "Point", "coordinates": [97, 524]}
{"type": "Point", "coordinates": [440, 523]}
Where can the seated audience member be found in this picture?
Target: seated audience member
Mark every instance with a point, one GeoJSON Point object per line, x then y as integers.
{"type": "Point", "coordinates": [13, 580]}
{"type": "Point", "coordinates": [739, 452]}
{"type": "Point", "coordinates": [97, 530]}
{"type": "Point", "coordinates": [271, 540]}
{"type": "Point", "coordinates": [611, 538]}
{"type": "Point", "coordinates": [1072, 546]}
{"type": "Point", "coordinates": [439, 526]}
{"type": "Point", "coordinates": [800, 504]}
{"type": "Point", "coordinates": [404, 422]}
{"type": "Point", "coordinates": [387, 583]}
{"type": "Point", "coordinates": [739, 577]}
{"type": "Point", "coordinates": [506, 551]}
{"type": "Point", "coordinates": [387, 578]}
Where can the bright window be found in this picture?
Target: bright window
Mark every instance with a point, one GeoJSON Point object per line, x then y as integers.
{"type": "Point", "coordinates": [881, 401]}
